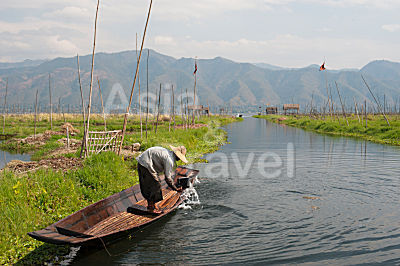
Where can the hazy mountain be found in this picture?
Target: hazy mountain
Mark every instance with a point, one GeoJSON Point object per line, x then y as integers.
{"type": "Point", "coordinates": [382, 69]}
{"type": "Point", "coordinates": [220, 82]}
{"type": "Point", "coordinates": [268, 66]}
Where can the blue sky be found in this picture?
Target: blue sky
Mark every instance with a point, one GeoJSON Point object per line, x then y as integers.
{"type": "Point", "coordinates": [289, 33]}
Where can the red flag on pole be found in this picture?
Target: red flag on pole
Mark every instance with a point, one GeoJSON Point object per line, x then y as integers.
{"type": "Point", "coordinates": [195, 68]}
{"type": "Point", "coordinates": [322, 67]}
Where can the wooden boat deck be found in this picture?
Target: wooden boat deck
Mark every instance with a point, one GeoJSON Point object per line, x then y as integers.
{"type": "Point", "coordinates": [124, 220]}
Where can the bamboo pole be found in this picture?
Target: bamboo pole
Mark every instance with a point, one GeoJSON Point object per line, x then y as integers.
{"type": "Point", "coordinates": [91, 77]}
{"type": "Point", "coordinates": [51, 106]}
{"type": "Point", "coordinates": [173, 105]}
{"type": "Point", "coordinates": [158, 109]}
{"type": "Point", "coordinates": [208, 108]}
{"type": "Point", "coordinates": [102, 105]}
{"type": "Point", "coordinates": [147, 98]}
{"type": "Point", "coordinates": [134, 80]}
{"type": "Point", "coordinates": [356, 109]}
{"type": "Point", "coordinates": [365, 110]}
{"type": "Point", "coordinates": [362, 114]}
{"type": "Point", "coordinates": [182, 112]}
{"type": "Point", "coordinates": [83, 146]}
{"type": "Point", "coordinates": [4, 107]}
{"type": "Point", "coordinates": [384, 103]}
{"type": "Point", "coordinates": [170, 115]}
{"type": "Point", "coordinates": [187, 109]}
{"type": "Point", "coordinates": [34, 132]}
{"type": "Point", "coordinates": [140, 108]}
{"type": "Point", "coordinates": [327, 93]}
{"type": "Point", "coordinates": [194, 95]}
{"type": "Point", "coordinates": [379, 107]}
{"type": "Point", "coordinates": [341, 103]}
{"type": "Point", "coordinates": [59, 103]}
{"type": "Point", "coordinates": [155, 109]}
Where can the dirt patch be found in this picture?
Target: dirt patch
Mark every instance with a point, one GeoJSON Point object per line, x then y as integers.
{"type": "Point", "coordinates": [73, 131]}
{"type": "Point", "coordinates": [39, 139]}
{"type": "Point", "coordinates": [58, 164]}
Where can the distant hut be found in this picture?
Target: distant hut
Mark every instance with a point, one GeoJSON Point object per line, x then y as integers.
{"type": "Point", "coordinates": [199, 110]}
{"type": "Point", "coordinates": [271, 110]}
{"type": "Point", "coordinates": [291, 108]}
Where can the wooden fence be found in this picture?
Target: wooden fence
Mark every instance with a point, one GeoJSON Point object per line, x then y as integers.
{"type": "Point", "coordinates": [99, 141]}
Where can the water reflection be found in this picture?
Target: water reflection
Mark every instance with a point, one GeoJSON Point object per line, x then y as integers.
{"type": "Point", "coordinates": [8, 157]}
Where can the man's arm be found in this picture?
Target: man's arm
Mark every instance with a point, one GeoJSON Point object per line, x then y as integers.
{"type": "Point", "coordinates": [153, 173]}
{"type": "Point", "coordinates": [168, 170]}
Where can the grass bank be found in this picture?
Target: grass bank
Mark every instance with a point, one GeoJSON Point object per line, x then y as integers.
{"type": "Point", "coordinates": [376, 130]}
{"type": "Point", "coordinates": [22, 127]}
{"type": "Point", "coordinates": [37, 199]}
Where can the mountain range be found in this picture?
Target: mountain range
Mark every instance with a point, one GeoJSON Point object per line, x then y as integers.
{"type": "Point", "coordinates": [220, 82]}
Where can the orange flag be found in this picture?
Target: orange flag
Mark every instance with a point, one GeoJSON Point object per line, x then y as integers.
{"type": "Point", "coordinates": [322, 67]}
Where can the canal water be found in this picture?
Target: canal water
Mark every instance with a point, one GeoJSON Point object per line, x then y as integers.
{"type": "Point", "coordinates": [279, 195]}
{"type": "Point", "coordinates": [6, 157]}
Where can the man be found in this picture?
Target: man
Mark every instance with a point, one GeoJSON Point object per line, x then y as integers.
{"type": "Point", "coordinates": [152, 162]}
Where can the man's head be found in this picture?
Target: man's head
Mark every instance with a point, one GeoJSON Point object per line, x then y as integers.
{"type": "Point", "coordinates": [180, 152]}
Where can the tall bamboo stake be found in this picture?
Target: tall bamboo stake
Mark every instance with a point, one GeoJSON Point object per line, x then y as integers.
{"type": "Point", "coordinates": [365, 110]}
{"type": "Point", "coordinates": [187, 109]}
{"type": "Point", "coordinates": [147, 98]}
{"type": "Point", "coordinates": [58, 107]}
{"type": "Point", "coordinates": [4, 107]}
{"type": "Point", "coordinates": [379, 107]}
{"type": "Point", "coordinates": [51, 107]}
{"type": "Point", "coordinates": [102, 105]}
{"type": "Point", "coordinates": [340, 98]}
{"type": "Point", "coordinates": [170, 116]}
{"type": "Point", "coordinates": [173, 105]}
{"type": "Point", "coordinates": [83, 146]}
{"type": "Point", "coordinates": [194, 95]}
{"type": "Point", "coordinates": [155, 109]}
{"type": "Point", "coordinates": [384, 103]}
{"type": "Point", "coordinates": [34, 132]}
{"type": "Point", "coordinates": [158, 109]}
{"type": "Point", "coordinates": [140, 108]}
{"type": "Point", "coordinates": [91, 78]}
{"type": "Point", "coordinates": [182, 113]}
{"type": "Point", "coordinates": [134, 80]}
{"type": "Point", "coordinates": [356, 109]}
{"type": "Point", "coordinates": [327, 93]}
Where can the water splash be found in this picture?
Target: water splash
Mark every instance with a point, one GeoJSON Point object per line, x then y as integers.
{"type": "Point", "coordinates": [190, 197]}
{"type": "Point", "coordinates": [67, 259]}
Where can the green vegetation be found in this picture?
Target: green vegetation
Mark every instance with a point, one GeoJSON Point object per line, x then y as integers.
{"type": "Point", "coordinates": [377, 129]}
{"type": "Point", "coordinates": [38, 199]}
{"type": "Point", "coordinates": [23, 126]}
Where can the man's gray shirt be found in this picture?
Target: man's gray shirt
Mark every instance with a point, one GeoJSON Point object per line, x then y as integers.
{"type": "Point", "coordinates": [158, 160]}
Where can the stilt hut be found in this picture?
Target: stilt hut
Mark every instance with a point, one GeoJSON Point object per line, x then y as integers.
{"type": "Point", "coordinates": [291, 108]}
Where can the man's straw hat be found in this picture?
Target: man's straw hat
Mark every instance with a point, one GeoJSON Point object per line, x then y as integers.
{"type": "Point", "coordinates": [180, 152]}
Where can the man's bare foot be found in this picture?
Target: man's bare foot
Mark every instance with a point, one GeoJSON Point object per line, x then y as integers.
{"type": "Point", "coordinates": [153, 210]}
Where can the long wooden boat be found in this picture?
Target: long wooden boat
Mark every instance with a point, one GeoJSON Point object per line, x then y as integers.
{"type": "Point", "coordinates": [108, 219]}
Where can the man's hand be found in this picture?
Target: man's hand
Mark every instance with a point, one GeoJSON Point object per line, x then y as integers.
{"type": "Point", "coordinates": [179, 189]}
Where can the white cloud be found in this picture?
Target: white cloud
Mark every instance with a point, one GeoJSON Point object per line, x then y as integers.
{"type": "Point", "coordinates": [67, 28]}
{"type": "Point", "coordinates": [391, 27]}
{"type": "Point", "coordinates": [164, 40]}
{"type": "Point", "coordinates": [69, 12]}
{"type": "Point", "coordinates": [285, 50]}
